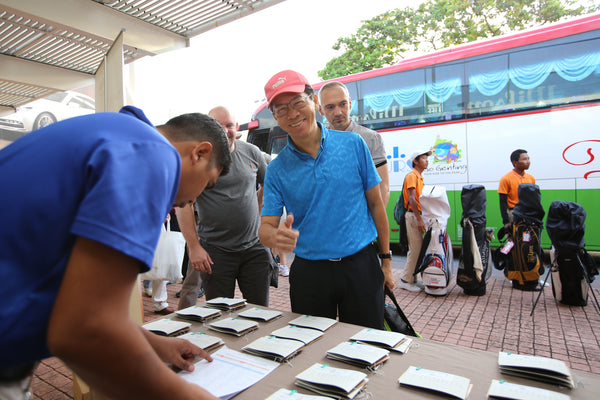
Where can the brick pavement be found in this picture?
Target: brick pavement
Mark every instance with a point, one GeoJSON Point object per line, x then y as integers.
{"type": "Point", "coordinates": [497, 321]}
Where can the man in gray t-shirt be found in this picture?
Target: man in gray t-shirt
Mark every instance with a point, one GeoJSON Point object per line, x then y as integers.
{"type": "Point", "coordinates": [335, 105]}
{"type": "Point", "coordinates": [225, 247]}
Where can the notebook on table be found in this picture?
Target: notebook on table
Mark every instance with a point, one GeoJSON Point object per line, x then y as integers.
{"type": "Point", "coordinates": [538, 368]}
{"type": "Point", "coordinates": [339, 383]}
{"type": "Point", "coordinates": [308, 321]}
{"type": "Point", "coordinates": [361, 355]}
{"type": "Point", "coordinates": [167, 327]}
{"type": "Point", "coordinates": [394, 341]}
{"type": "Point", "coordinates": [226, 303]}
{"type": "Point", "coordinates": [202, 340]}
{"type": "Point", "coordinates": [304, 335]}
{"type": "Point", "coordinates": [274, 348]}
{"type": "Point", "coordinates": [451, 385]}
{"type": "Point", "coordinates": [198, 313]}
{"type": "Point", "coordinates": [234, 326]}
{"type": "Point", "coordinates": [261, 314]}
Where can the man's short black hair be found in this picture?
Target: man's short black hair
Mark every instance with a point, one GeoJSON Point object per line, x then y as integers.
{"type": "Point", "coordinates": [201, 128]}
{"type": "Point", "coordinates": [515, 155]}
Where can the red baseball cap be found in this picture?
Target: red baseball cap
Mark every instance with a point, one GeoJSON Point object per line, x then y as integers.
{"type": "Point", "coordinates": [285, 82]}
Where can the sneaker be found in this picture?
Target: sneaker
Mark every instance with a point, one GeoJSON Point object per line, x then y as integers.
{"type": "Point", "coordinates": [147, 286]}
{"type": "Point", "coordinates": [411, 287]}
{"type": "Point", "coordinates": [200, 293]}
{"type": "Point", "coordinates": [165, 311]}
{"type": "Point", "coordinates": [284, 270]}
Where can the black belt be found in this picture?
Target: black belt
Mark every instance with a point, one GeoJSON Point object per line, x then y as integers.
{"type": "Point", "coordinates": [352, 255]}
{"type": "Point", "coordinates": [16, 373]}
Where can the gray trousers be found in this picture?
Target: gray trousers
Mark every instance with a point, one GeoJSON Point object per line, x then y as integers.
{"type": "Point", "coordinates": [249, 267]}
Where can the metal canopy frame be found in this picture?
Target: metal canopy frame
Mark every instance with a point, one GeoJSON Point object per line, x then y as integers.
{"type": "Point", "coordinates": [49, 46]}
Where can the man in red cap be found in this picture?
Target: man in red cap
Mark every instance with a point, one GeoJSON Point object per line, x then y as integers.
{"type": "Point", "coordinates": [327, 182]}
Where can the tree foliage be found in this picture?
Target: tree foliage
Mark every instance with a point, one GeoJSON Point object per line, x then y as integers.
{"type": "Point", "coordinates": [387, 38]}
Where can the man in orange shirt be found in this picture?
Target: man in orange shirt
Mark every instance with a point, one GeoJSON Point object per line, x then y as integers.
{"type": "Point", "coordinates": [415, 226]}
{"type": "Point", "coordinates": [509, 185]}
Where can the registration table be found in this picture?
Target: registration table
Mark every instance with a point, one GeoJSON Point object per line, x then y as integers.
{"type": "Point", "coordinates": [478, 366]}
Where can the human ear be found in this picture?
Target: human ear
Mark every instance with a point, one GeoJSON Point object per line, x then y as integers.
{"type": "Point", "coordinates": [201, 151]}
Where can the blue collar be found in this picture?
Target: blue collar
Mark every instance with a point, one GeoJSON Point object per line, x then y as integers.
{"type": "Point", "coordinates": [324, 135]}
{"type": "Point", "coordinates": [136, 113]}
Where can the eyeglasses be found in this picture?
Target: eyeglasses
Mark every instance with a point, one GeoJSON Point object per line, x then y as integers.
{"type": "Point", "coordinates": [297, 103]}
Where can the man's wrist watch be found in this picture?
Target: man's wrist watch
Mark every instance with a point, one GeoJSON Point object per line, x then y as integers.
{"type": "Point", "coordinates": [385, 255]}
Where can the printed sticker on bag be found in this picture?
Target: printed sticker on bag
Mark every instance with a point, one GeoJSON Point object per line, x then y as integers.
{"type": "Point", "coordinates": [526, 236]}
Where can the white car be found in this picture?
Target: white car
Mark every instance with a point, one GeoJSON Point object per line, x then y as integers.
{"type": "Point", "coordinates": [49, 109]}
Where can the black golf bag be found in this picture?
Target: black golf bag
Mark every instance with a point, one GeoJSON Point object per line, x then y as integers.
{"type": "Point", "coordinates": [527, 264]}
{"type": "Point", "coordinates": [474, 265]}
{"type": "Point", "coordinates": [573, 269]}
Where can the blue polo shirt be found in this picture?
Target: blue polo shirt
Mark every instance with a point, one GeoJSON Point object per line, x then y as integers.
{"type": "Point", "coordinates": [108, 177]}
{"type": "Point", "coordinates": [325, 194]}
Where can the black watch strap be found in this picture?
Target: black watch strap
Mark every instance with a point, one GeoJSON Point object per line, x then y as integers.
{"type": "Point", "coordinates": [385, 255]}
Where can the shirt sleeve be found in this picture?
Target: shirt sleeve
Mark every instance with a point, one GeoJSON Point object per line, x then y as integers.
{"type": "Point", "coordinates": [129, 192]}
{"type": "Point", "coordinates": [369, 172]}
{"type": "Point", "coordinates": [379, 155]}
{"type": "Point", "coordinates": [262, 167]}
{"type": "Point", "coordinates": [272, 198]}
{"type": "Point", "coordinates": [504, 185]}
{"type": "Point", "coordinates": [410, 181]}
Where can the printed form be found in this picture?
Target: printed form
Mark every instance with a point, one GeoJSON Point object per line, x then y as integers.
{"type": "Point", "coordinates": [230, 373]}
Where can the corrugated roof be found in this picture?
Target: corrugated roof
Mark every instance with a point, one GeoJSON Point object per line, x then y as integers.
{"type": "Point", "coordinates": [47, 46]}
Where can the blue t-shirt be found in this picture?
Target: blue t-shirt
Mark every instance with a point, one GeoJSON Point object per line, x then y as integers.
{"type": "Point", "coordinates": [326, 195]}
{"type": "Point", "coordinates": [108, 177]}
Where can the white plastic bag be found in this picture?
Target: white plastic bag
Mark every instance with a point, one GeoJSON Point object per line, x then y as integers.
{"type": "Point", "coordinates": [168, 256]}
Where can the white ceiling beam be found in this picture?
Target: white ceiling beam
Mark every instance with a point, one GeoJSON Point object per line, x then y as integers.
{"type": "Point", "coordinates": [99, 20]}
{"type": "Point", "coordinates": [34, 73]}
{"type": "Point", "coordinates": [247, 10]}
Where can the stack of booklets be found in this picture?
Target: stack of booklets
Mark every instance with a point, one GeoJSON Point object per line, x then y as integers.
{"type": "Point", "coordinates": [362, 355]}
{"type": "Point", "coordinates": [226, 303]}
{"type": "Point", "coordinates": [448, 384]}
{"type": "Point", "coordinates": [204, 341]}
{"type": "Point", "coordinates": [260, 314]}
{"type": "Point", "coordinates": [538, 368]}
{"type": "Point", "coordinates": [274, 348]}
{"type": "Point", "coordinates": [286, 394]}
{"type": "Point", "coordinates": [394, 341]}
{"type": "Point", "coordinates": [338, 383]}
{"type": "Point", "coordinates": [167, 327]}
{"type": "Point", "coordinates": [304, 335]}
{"type": "Point", "coordinates": [500, 389]}
{"type": "Point", "coordinates": [198, 313]}
{"type": "Point", "coordinates": [233, 326]}
{"type": "Point", "coordinates": [308, 321]}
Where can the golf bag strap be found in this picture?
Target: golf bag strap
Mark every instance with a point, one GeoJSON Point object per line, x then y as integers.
{"type": "Point", "coordinates": [389, 294]}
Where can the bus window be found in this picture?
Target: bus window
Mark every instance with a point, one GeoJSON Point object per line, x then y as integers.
{"type": "Point", "coordinates": [443, 89]}
{"type": "Point", "coordinates": [574, 77]}
{"type": "Point", "coordinates": [393, 100]}
{"type": "Point", "coordinates": [487, 92]}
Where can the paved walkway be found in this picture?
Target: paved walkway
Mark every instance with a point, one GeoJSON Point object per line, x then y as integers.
{"type": "Point", "coordinates": [497, 321]}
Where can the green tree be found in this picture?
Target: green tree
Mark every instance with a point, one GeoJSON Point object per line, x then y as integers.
{"type": "Point", "coordinates": [386, 39]}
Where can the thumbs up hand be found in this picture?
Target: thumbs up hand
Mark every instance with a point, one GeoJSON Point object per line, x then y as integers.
{"type": "Point", "coordinates": [286, 236]}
